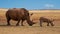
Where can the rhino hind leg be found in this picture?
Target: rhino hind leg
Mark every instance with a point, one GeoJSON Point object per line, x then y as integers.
{"type": "Point", "coordinates": [47, 24]}
{"type": "Point", "coordinates": [8, 21]}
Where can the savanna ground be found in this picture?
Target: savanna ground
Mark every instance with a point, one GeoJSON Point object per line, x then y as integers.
{"type": "Point", "coordinates": [35, 29]}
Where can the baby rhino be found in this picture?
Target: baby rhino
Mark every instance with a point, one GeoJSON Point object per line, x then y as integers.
{"type": "Point", "coordinates": [43, 19]}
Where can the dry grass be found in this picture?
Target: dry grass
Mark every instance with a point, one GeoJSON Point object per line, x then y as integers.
{"type": "Point", "coordinates": [35, 29]}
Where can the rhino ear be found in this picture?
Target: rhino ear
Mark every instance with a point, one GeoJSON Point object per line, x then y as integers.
{"type": "Point", "coordinates": [31, 14]}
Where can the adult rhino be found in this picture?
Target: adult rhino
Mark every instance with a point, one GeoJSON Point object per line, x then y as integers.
{"type": "Point", "coordinates": [43, 19]}
{"type": "Point", "coordinates": [18, 14]}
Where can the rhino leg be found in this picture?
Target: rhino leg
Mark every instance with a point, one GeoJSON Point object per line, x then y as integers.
{"type": "Point", "coordinates": [8, 21]}
{"type": "Point", "coordinates": [41, 23]}
{"type": "Point", "coordinates": [47, 23]}
{"type": "Point", "coordinates": [52, 24]}
{"type": "Point", "coordinates": [22, 23]}
{"type": "Point", "coordinates": [18, 23]}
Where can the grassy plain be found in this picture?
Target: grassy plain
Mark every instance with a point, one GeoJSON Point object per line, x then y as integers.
{"type": "Point", "coordinates": [35, 29]}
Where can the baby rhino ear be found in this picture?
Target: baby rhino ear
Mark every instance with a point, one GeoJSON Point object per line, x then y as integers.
{"type": "Point", "coordinates": [31, 13]}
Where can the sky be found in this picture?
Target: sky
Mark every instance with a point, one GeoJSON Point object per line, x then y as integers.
{"type": "Point", "coordinates": [30, 4]}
